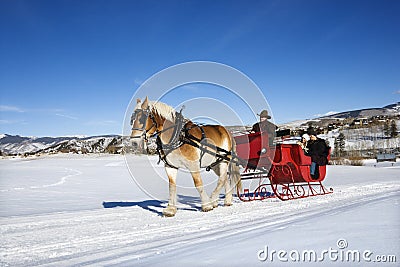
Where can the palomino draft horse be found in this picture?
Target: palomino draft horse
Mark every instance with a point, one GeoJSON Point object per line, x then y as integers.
{"type": "Point", "coordinates": [183, 144]}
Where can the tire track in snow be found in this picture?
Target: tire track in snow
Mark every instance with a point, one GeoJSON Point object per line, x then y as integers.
{"type": "Point", "coordinates": [62, 180]}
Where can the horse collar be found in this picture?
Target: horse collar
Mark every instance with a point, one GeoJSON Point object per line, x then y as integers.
{"type": "Point", "coordinates": [175, 142]}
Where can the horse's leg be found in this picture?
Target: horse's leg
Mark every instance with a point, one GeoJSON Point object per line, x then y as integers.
{"type": "Point", "coordinates": [222, 171]}
{"type": "Point", "coordinates": [170, 210]}
{"type": "Point", "coordinates": [205, 200]}
{"type": "Point", "coordinates": [228, 193]}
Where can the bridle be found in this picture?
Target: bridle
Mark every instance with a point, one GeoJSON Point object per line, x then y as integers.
{"type": "Point", "coordinates": [145, 113]}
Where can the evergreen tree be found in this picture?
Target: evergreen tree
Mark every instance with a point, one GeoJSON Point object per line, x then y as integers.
{"type": "Point", "coordinates": [386, 128]}
{"type": "Point", "coordinates": [393, 129]}
{"type": "Point", "coordinates": [340, 145]}
{"type": "Point", "coordinates": [336, 146]}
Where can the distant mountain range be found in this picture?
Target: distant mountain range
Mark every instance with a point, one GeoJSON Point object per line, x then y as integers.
{"type": "Point", "coordinates": [19, 145]}
{"type": "Point", "coordinates": [389, 110]}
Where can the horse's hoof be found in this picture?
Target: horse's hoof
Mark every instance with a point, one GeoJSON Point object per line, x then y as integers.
{"type": "Point", "coordinates": [227, 204]}
{"type": "Point", "coordinates": [206, 208]}
{"type": "Point", "coordinates": [215, 203]}
{"type": "Point", "coordinates": [169, 211]}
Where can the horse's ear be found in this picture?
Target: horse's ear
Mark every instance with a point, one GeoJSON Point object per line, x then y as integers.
{"type": "Point", "coordinates": [138, 101]}
{"type": "Point", "coordinates": [145, 104]}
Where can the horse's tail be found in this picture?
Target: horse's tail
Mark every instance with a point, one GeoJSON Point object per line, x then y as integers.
{"type": "Point", "coordinates": [234, 171]}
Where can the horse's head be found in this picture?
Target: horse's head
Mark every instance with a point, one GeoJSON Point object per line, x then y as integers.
{"type": "Point", "coordinates": [142, 124]}
{"type": "Point", "coordinates": [152, 117]}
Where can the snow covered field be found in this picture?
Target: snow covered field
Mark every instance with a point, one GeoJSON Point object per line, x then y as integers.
{"type": "Point", "coordinates": [67, 210]}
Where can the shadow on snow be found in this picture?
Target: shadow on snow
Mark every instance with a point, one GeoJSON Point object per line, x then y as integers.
{"type": "Point", "coordinates": [156, 206]}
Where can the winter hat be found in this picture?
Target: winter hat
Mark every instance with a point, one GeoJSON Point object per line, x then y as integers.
{"type": "Point", "coordinates": [312, 132]}
{"type": "Point", "coordinates": [306, 136]}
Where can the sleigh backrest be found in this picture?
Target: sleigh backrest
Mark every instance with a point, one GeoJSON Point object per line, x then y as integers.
{"type": "Point", "coordinates": [250, 146]}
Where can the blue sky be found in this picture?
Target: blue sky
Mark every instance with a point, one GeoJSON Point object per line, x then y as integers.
{"type": "Point", "coordinates": [71, 67]}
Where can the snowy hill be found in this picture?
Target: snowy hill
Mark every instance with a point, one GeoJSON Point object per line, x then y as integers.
{"type": "Point", "coordinates": [18, 145]}
{"type": "Point", "coordinates": [389, 111]}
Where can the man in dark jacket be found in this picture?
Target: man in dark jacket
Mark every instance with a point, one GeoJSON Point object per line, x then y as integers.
{"type": "Point", "coordinates": [318, 151]}
{"type": "Point", "coordinates": [265, 126]}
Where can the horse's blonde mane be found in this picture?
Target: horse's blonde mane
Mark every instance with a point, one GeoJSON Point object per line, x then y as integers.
{"type": "Point", "coordinates": [163, 110]}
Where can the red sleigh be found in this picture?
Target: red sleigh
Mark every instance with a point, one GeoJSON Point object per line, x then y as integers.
{"type": "Point", "coordinates": [280, 170]}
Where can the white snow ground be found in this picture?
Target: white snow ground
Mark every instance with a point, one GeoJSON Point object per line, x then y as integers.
{"type": "Point", "coordinates": [52, 214]}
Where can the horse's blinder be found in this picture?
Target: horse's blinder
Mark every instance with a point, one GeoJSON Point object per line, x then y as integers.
{"type": "Point", "coordinates": [142, 120]}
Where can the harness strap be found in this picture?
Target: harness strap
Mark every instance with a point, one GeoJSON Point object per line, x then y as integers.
{"type": "Point", "coordinates": [162, 156]}
{"type": "Point", "coordinates": [175, 142]}
{"type": "Point", "coordinates": [194, 141]}
{"type": "Point", "coordinates": [202, 151]}
{"type": "Point", "coordinates": [182, 136]}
